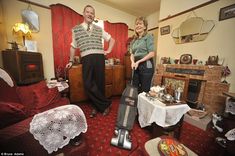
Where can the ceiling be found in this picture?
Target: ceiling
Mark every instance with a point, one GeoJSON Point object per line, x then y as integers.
{"type": "Point", "coordinates": [134, 7]}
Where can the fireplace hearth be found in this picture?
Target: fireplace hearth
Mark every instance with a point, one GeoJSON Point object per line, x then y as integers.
{"type": "Point", "coordinates": [203, 84]}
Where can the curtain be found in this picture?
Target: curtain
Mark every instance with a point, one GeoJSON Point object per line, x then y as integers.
{"type": "Point", "coordinates": [119, 31]}
{"type": "Point", "coordinates": [63, 20]}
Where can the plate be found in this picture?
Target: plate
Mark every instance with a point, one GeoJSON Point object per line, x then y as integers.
{"type": "Point", "coordinates": [168, 147]}
{"type": "Point", "coordinates": [186, 59]}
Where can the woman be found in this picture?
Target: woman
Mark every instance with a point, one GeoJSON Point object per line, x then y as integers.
{"type": "Point", "coordinates": [142, 53]}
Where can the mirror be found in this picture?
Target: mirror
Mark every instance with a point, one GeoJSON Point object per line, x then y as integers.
{"type": "Point", "coordinates": [31, 18]}
{"type": "Point", "coordinates": [192, 30]}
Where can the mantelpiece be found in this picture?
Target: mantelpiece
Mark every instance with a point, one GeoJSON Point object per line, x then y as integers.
{"type": "Point", "coordinates": [211, 88]}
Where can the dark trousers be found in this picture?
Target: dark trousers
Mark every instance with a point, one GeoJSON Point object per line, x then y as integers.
{"type": "Point", "coordinates": [142, 77]}
{"type": "Point", "coordinates": [93, 70]}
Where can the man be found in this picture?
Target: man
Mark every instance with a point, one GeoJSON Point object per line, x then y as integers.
{"type": "Point", "coordinates": [88, 38]}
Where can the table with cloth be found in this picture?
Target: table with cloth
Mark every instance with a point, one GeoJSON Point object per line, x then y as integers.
{"type": "Point", "coordinates": [54, 128]}
{"type": "Point", "coordinates": [152, 110]}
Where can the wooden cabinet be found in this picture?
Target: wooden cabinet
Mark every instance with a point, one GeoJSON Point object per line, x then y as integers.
{"type": "Point", "coordinates": [118, 79]}
{"type": "Point", "coordinates": [114, 82]}
{"type": "Point", "coordinates": [76, 89]}
{"type": "Point", "coordinates": [127, 63]}
{"type": "Point", "coordinates": [24, 67]}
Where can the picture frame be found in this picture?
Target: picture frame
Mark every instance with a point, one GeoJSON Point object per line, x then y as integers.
{"type": "Point", "coordinates": [31, 45]}
{"type": "Point", "coordinates": [165, 30]}
{"type": "Point", "coordinates": [227, 12]}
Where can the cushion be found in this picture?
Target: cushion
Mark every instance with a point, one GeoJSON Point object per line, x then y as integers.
{"type": "Point", "coordinates": [43, 99]}
{"type": "Point", "coordinates": [26, 93]}
{"type": "Point", "coordinates": [11, 113]}
{"type": "Point", "coordinates": [8, 93]}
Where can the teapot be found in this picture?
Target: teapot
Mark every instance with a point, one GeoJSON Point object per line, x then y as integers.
{"type": "Point", "coordinates": [168, 97]}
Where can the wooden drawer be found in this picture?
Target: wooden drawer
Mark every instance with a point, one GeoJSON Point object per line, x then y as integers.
{"type": "Point", "coordinates": [108, 91]}
{"type": "Point", "coordinates": [108, 75]}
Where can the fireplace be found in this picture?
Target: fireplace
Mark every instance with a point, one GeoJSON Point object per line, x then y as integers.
{"type": "Point", "coordinates": [203, 84]}
{"type": "Point", "coordinates": [194, 87]}
{"type": "Point", "coordinates": [25, 67]}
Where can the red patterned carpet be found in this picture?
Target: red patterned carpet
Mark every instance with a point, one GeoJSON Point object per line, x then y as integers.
{"type": "Point", "coordinates": [101, 130]}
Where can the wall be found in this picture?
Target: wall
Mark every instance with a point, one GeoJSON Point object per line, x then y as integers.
{"type": "Point", "coordinates": [12, 12]}
{"type": "Point", "coordinates": [153, 20]}
{"type": "Point", "coordinates": [3, 39]}
{"type": "Point", "coordinates": [169, 9]}
{"type": "Point", "coordinates": [219, 42]}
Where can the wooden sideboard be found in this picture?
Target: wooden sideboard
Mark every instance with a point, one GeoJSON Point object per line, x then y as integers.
{"type": "Point", "coordinates": [127, 63]}
{"type": "Point", "coordinates": [24, 67]}
{"type": "Point", "coordinates": [114, 82]}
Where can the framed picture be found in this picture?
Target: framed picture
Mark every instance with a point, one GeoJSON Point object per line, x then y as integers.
{"type": "Point", "coordinates": [165, 30]}
{"type": "Point", "coordinates": [227, 12]}
{"type": "Point", "coordinates": [172, 83]}
{"type": "Point", "coordinates": [31, 45]}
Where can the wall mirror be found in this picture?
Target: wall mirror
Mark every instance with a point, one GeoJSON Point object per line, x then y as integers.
{"type": "Point", "coordinates": [31, 18]}
{"type": "Point", "coordinates": [192, 30]}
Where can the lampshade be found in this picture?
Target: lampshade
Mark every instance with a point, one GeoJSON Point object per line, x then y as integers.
{"type": "Point", "coordinates": [21, 29]}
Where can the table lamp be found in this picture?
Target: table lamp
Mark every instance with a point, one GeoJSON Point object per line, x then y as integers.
{"type": "Point", "coordinates": [21, 29]}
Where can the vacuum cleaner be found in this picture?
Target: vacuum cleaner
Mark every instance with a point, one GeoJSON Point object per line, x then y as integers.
{"type": "Point", "coordinates": [126, 116]}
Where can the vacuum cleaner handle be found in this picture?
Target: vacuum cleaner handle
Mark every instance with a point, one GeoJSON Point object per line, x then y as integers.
{"type": "Point", "coordinates": [132, 74]}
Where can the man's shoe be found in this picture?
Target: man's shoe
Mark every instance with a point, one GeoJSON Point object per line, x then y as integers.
{"type": "Point", "coordinates": [106, 111]}
{"type": "Point", "coordinates": [76, 141]}
{"type": "Point", "coordinates": [221, 141]}
{"type": "Point", "coordinates": [93, 113]}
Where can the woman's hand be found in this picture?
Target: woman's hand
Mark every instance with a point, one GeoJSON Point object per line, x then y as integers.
{"type": "Point", "coordinates": [134, 65]}
{"type": "Point", "coordinates": [137, 64]}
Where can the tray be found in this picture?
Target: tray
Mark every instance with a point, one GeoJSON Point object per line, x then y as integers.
{"type": "Point", "coordinates": [168, 147]}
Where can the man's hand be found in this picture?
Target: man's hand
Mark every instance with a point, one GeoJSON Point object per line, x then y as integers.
{"type": "Point", "coordinates": [106, 52]}
{"type": "Point", "coordinates": [69, 65]}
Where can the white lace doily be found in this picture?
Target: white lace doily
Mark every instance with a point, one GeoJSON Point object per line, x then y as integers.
{"type": "Point", "coordinates": [5, 76]}
{"type": "Point", "coordinates": [54, 128]}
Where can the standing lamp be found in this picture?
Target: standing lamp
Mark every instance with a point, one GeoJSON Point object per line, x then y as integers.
{"type": "Point", "coordinates": [21, 29]}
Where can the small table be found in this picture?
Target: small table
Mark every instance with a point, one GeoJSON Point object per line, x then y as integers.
{"type": "Point", "coordinates": [151, 111]}
{"type": "Point", "coordinates": [155, 111]}
{"type": "Point", "coordinates": [54, 128]}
